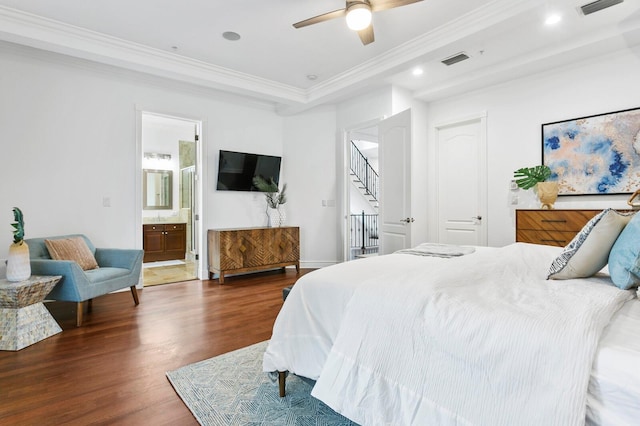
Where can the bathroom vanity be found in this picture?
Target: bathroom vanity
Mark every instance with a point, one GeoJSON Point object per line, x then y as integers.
{"type": "Point", "coordinates": [164, 241]}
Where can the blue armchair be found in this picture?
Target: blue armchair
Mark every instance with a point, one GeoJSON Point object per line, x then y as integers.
{"type": "Point", "coordinates": [118, 269]}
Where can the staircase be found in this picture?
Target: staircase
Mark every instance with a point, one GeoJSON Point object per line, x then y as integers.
{"type": "Point", "coordinates": [364, 227]}
{"type": "Point", "coordinates": [364, 176]}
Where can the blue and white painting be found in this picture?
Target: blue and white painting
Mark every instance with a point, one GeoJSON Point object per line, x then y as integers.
{"type": "Point", "coordinates": [594, 155]}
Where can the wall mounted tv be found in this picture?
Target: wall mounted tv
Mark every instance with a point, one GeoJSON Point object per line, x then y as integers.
{"type": "Point", "coordinates": [237, 169]}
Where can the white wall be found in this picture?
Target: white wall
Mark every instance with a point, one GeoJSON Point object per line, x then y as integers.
{"type": "Point", "coordinates": [515, 112]}
{"type": "Point", "coordinates": [310, 163]}
{"type": "Point", "coordinates": [68, 139]}
{"type": "Point", "coordinates": [246, 130]}
{"type": "Point", "coordinates": [363, 109]}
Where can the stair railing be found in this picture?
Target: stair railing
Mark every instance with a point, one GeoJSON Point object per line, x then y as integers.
{"type": "Point", "coordinates": [361, 168]}
{"type": "Point", "coordinates": [364, 232]}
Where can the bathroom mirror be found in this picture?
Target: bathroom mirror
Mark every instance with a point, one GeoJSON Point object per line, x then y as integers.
{"type": "Point", "coordinates": [157, 189]}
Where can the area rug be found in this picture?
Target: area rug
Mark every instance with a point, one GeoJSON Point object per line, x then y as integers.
{"type": "Point", "coordinates": [231, 389]}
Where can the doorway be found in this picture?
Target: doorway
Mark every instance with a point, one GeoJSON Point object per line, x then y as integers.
{"type": "Point", "coordinates": [170, 198]}
{"type": "Point", "coordinates": [363, 191]}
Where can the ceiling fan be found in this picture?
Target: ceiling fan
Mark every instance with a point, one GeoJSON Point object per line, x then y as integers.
{"type": "Point", "coordinates": [358, 15]}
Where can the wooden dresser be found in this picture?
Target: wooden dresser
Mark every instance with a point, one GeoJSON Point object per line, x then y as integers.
{"type": "Point", "coordinates": [164, 241]}
{"type": "Point", "coordinates": [252, 249]}
{"type": "Point", "coordinates": [551, 227]}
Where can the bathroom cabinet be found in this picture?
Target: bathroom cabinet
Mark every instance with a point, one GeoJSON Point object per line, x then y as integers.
{"type": "Point", "coordinates": [164, 241]}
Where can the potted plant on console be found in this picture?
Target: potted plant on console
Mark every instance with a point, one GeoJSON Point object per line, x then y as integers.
{"type": "Point", "coordinates": [536, 178]}
{"type": "Point", "coordinates": [275, 199]}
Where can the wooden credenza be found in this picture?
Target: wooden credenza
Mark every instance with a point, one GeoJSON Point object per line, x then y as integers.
{"type": "Point", "coordinates": [164, 241]}
{"type": "Point", "coordinates": [252, 249]}
{"type": "Point", "coordinates": [551, 227]}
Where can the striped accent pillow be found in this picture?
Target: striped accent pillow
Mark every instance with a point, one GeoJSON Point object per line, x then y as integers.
{"type": "Point", "coordinates": [588, 252]}
{"type": "Point", "coordinates": [75, 249]}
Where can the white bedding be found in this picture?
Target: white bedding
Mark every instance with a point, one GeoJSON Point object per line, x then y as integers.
{"type": "Point", "coordinates": [614, 389]}
{"type": "Point", "coordinates": [408, 362]}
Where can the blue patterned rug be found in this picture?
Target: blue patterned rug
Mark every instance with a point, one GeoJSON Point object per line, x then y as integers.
{"type": "Point", "coordinates": [231, 389]}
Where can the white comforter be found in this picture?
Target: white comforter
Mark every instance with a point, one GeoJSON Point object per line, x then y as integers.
{"type": "Point", "coordinates": [482, 339]}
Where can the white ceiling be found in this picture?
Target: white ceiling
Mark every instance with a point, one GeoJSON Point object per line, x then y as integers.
{"type": "Point", "coordinates": [183, 40]}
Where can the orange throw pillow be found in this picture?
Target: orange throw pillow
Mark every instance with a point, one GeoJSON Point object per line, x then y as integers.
{"type": "Point", "coordinates": [75, 249]}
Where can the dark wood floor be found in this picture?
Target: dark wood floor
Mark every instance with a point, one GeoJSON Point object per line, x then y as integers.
{"type": "Point", "coordinates": [112, 369]}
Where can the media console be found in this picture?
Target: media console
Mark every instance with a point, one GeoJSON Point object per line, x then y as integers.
{"type": "Point", "coordinates": [241, 250]}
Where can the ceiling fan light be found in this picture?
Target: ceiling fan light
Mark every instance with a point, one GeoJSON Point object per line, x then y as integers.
{"type": "Point", "coordinates": [359, 16]}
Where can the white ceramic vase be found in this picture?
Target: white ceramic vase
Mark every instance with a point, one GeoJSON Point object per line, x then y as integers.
{"type": "Point", "coordinates": [282, 216]}
{"type": "Point", "coordinates": [18, 264]}
{"type": "Point", "coordinates": [273, 217]}
{"type": "Point", "coordinates": [276, 217]}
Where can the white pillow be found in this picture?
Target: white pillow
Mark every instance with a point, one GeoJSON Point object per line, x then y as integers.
{"type": "Point", "coordinates": [588, 252]}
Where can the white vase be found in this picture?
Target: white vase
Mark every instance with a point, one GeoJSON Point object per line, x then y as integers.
{"type": "Point", "coordinates": [18, 264]}
{"type": "Point", "coordinates": [547, 194]}
{"type": "Point", "coordinates": [282, 216]}
{"type": "Point", "coordinates": [273, 217]}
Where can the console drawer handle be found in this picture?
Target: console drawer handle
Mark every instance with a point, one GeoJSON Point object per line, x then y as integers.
{"type": "Point", "coordinates": [554, 220]}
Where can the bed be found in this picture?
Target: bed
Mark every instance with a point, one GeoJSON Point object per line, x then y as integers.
{"type": "Point", "coordinates": [479, 339]}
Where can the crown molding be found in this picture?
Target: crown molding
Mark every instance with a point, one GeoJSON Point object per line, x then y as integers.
{"type": "Point", "coordinates": [390, 62]}
{"type": "Point", "coordinates": [42, 33]}
{"type": "Point", "coordinates": [47, 34]}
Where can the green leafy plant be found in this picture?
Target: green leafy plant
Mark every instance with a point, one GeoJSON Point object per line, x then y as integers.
{"type": "Point", "coordinates": [18, 226]}
{"type": "Point", "coordinates": [528, 177]}
{"type": "Point", "coordinates": [274, 196]}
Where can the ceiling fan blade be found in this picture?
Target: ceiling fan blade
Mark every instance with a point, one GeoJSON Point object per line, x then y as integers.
{"type": "Point", "coordinates": [377, 5]}
{"type": "Point", "coordinates": [321, 18]}
{"type": "Point", "coordinates": [366, 35]}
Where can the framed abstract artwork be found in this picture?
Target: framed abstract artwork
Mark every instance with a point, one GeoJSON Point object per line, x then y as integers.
{"type": "Point", "coordinates": [594, 155]}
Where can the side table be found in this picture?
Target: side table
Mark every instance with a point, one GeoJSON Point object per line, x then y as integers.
{"type": "Point", "coordinates": [23, 318]}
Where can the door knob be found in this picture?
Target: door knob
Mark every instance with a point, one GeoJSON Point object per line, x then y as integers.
{"type": "Point", "coordinates": [408, 220]}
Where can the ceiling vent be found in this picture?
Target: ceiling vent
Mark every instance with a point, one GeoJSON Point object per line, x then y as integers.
{"type": "Point", "coordinates": [598, 5]}
{"type": "Point", "coordinates": [458, 57]}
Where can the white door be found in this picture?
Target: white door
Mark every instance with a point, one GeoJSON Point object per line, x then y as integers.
{"type": "Point", "coordinates": [394, 136]}
{"type": "Point", "coordinates": [195, 202]}
{"type": "Point", "coordinates": [462, 182]}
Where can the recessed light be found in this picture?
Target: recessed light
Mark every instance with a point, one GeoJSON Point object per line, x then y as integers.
{"type": "Point", "coordinates": [553, 19]}
{"type": "Point", "coordinates": [231, 36]}
{"type": "Point", "coordinates": [417, 71]}
{"type": "Point", "coordinates": [312, 77]}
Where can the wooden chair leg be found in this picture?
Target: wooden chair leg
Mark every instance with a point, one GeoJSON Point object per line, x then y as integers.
{"type": "Point", "coordinates": [79, 311]}
{"type": "Point", "coordinates": [282, 379]}
{"type": "Point", "coordinates": [134, 293]}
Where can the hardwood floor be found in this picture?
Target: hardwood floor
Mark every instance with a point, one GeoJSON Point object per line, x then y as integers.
{"type": "Point", "coordinates": [168, 274]}
{"type": "Point", "coordinates": [112, 369]}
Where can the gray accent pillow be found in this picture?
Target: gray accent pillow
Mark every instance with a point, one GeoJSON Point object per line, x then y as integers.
{"type": "Point", "coordinates": [588, 252]}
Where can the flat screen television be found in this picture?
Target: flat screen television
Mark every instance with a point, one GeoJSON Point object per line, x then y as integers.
{"type": "Point", "coordinates": [237, 169]}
